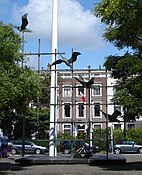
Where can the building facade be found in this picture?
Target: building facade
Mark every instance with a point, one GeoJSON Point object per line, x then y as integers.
{"type": "Point", "coordinates": [79, 109]}
{"type": "Point", "coordinates": [111, 83]}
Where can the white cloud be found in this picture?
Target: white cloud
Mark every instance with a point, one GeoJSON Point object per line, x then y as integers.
{"type": "Point", "coordinates": [77, 28]}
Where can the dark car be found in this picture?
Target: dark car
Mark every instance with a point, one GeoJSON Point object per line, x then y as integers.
{"type": "Point", "coordinates": [68, 145]}
{"type": "Point", "coordinates": [127, 146]}
{"type": "Point", "coordinates": [30, 147]}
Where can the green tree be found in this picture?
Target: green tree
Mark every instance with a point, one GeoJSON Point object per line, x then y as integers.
{"type": "Point", "coordinates": [45, 91]}
{"type": "Point", "coordinates": [124, 29]}
{"type": "Point", "coordinates": [9, 45]}
{"type": "Point", "coordinates": [41, 107]}
{"type": "Point", "coordinates": [44, 106]}
{"type": "Point", "coordinates": [40, 124]}
{"type": "Point", "coordinates": [18, 86]}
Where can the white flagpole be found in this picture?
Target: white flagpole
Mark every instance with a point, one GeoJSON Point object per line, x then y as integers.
{"type": "Point", "coordinates": [52, 134]}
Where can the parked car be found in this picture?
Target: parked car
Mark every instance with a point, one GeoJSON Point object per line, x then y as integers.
{"type": "Point", "coordinates": [127, 146]}
{"type": "Point", "coordinates": [67, 145]}
{"type": "Point", "coordinates": [30, 147]}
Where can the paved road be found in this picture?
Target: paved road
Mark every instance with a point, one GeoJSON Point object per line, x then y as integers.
{"type": "Point", "coordinates": [133, 167]}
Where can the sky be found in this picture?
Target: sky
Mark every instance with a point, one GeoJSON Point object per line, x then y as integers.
{"type": "Point", "coordinates": [78, 30]}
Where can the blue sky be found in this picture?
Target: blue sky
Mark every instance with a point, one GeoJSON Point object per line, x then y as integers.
{"type": "Point", "coordinates": [78, 29]}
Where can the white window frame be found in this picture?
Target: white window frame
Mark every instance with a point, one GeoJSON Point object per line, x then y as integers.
{"type": "Point", "coordinates": [64, 90]}
{"type": "Point", "coordinates": [100, 89]}
{"type": "Point", "coordinates": [67, 129]}
{"type": "Point", "coordinates": [117, 107]}
{"type": "Point", "coordinates": [93, 112]}
{"type": "Point", "coordinates": [131, 125]}
{"type": "Point", "coordinates": [63, 110]}
{"type": "Point", "coordinates": [77, 110]}
{"type": "Point", "coordinates": [83, 124]}
{"type": "Point", "coordinates": [117, 126]}
{"type": "Point", "coordinates": [97, 124]}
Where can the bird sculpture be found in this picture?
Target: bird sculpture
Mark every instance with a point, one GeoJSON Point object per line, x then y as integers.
{"type": "Point", "coordinates": [85, 83]}
{"type": "Point", "coordinates": [112, 117]}
{"type": "Point", "coordinates": [24, 24]}
{"type": "Point", "coordinates": [68, 62]}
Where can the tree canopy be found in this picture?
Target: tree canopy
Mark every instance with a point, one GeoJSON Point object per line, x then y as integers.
{"type": "Point", "coordinates": [124, 30]}
{"type": "Point", "coordinates": [18, 85]}
{"type": "Point", "coordinates": [9, 44]}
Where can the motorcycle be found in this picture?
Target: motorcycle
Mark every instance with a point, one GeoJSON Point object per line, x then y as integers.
{"type": "Point", "coordinates": [82, 151]}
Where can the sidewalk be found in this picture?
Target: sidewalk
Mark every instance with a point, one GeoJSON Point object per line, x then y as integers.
{"type": "Point", "coordinates": [132, 167]}
{"type": "Point", "coordinates": [96, 159]}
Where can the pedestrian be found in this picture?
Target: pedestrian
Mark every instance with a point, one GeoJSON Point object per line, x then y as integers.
{"type": "Point", "coordinates": [4, 146]}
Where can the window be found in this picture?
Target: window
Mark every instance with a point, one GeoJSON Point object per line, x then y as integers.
{"type": "Point", "coordinates": [67, 128]}
{"type": "Point", "coordinates": [97, 109]}
{"type": "Point", "coordinates": [81, 127]}
{"type": "Point", "coordinates": [117, 126]}
{"type": "Point", "coordinates": [97, 126]}
{"type": "Point", "coordinates": [131, 126]}
{"type": "Point", "coordinates": [96, 90]}
{"type": "Point", "coordinates": [28, 143]}
{"type": "Point", "coordinates": [67, 90]}
{"type": "Point", "coordinates": [67, 109]}
{"type": "Point", "coordinates": [117, 107]}
{"type": "Point", "coordinates": [81, 109]}
{"type": "Point", "coordinates": [114, 89]}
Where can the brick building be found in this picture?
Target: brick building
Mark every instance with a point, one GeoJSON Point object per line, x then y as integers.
{"type": "Point", "coordinates": [79, 108]}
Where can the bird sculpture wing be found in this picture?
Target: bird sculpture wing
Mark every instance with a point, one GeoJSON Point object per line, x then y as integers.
{"type": "Point", "coordinates": [66, 61]}
{"type": "Point", "coordinates": [63, 57]}
{"type": "Point", "coordinates": [57, 62]}
{"type": "Point", "coordinates": [91, 81]}
{"type": "Point", "coordinates": [27, 30]}
{"type": "Point", "coordinates": [24, 22]}
{"type": "Point", "coordinates": [86, 84]}
{"type": "Point", "coordinates": [23, 25]}
{"type": "Point", "coordinates": [102, 112]}
{"type": "Point", "coordinates": [80, 76]}
{"type": "Point", "coordinates": [74, 57]}
{"type": "Point", "coordinates": [61, 61]}
{"type": "Point", "coordinates": [16, 27]}
{"type": "Point", "coordinates": [113, 117]}
{"type": "Point", "coordinates": [86, 80]}
{"type": "Point", "coordinates": [82, 82]}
